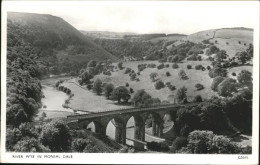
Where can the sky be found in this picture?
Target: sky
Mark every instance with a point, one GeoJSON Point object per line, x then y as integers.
{"type": "Point", "coordinates": [185, 17]}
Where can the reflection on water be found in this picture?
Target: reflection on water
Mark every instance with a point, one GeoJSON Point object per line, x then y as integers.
{"type": "Point", "coordinates": [53, 99]}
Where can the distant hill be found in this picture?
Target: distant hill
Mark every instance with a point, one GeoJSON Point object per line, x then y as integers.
{"type": "Point", "coordinates": [230, 39]}
{"type": "Point", "coordinates": [45, 31]}
{"type": "Point", "coordinates": [106, 34]}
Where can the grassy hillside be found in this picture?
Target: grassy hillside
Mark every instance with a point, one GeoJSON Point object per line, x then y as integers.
{"type": "Point", "coordinates": [49, 36]}
{"type": "Point", "coordinates": [232, 40]}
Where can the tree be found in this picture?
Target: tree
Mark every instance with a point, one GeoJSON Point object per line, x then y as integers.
{"type": "Point", "coordinates": [183, 75]}
{"type": "Point", "coordinates": [175, 66]}
{"type": "Point", "coordinates": [56, 135]}
{"type": "Point", "coordinates": [175, 59]}
{"type": "Point", "coordinates": [120, 65]}
{"type": "Point", "coordinates": [159, 84]}
{"type": "Point", "coordinates": [250, 50]}
{"type": "Point", "coordinates": [227, 87]}
{"type": "Point", "coordinates": [189, 66]}
{"type": "Point", "coordinates": [28, 144]}
{"type": "Point", "coordinates": [221, 55]}
{"type": "Point", "coordinates": [97, 86]}
{"type": "Point", "coordinates": [216, 81]}
{"type": "Point", "coordinates": [153, 75]}
{"type": "Point", "coordinates": [181, 94]}
{"type": "Point", "coordinates": [243, 57]}
{"type": "Point", "coordinates": [212, 50]}
{"type": "Point", "coordinates": [245, 77]}
{"type": "Point", "coordinates": [168, 74]}
{"type": "Point", "coordinates": [197, 99]}
{"type": "Point", "coordinates": [120, 93]}
{"type": "Point", "coordinates": [217, 70]}
{"type": "Point", "coordinates": [205, 142]}
{"type": "Point", "coordinates": [79, 144]}
{"type": "Point", "coordinates": [108, 89]}
{"type": "Point", "coordinates": [92, 63]}
{"type": "Point", "coordinates": [85, 77]}
{"type": "Point", "coordinates": [199, 86]}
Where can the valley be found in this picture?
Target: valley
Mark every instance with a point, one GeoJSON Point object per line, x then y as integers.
{"type": "Point", "coordinates": [57, 73]}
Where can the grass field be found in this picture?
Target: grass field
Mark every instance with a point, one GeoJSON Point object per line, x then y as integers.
{"type": "Point", "coordinates": [222, 36]}
{"type": "Point", "coordinates": [237, 70]}
{"type": "Point", "coordinates": [195, 76]}
{"type": "Point", "coordinates": [85, 100]}
{"type": "Point", "coordinates": [88, 101]}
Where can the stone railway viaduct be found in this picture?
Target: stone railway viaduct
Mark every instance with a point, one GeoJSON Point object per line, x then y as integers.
{"type": "Point", "coordinates": [121, 117]}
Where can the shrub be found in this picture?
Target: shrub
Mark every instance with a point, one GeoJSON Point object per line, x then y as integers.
{"type": "Point", "coordinates": [233, 63]}
{"type": "Point", "coordinates": [161, 66]}
{"type": "Point", "coordinates": [181, 94]}
{"type": "Point", "coordinates": [197, 99]}
{"type": "Point", "coordinates": [227, 43]}
{"type": "Point", "coordinates": [79, 144]}
{"type": "Point", "coordinates": [227, 87]}
{"type": "Point", "coordinates": [120, 65]}
{"type": "Point", "coordinates": [167, 65]}
{"type": "Point", "coordinates": [153, 75]}
{"type": "Point", "coordinates": [142, 98]}
{"type": "Point", "coordinates": [168, 74]}
{"type": "Point", "coordinates": [28, 144]}
{"type": "Point", "coordinates": [208, 67]}
{"type": "Point", "coordinates": [198, 67]}
{"type": "Point", "coordinates": [239, 42]}
{"type": "Point", "coordinates": [216, 81]}
{"type": "Point", "coordinates": [234, 74]}
{"type": "Point", "coordinates": [179, 142]}
{"type": "Point", "coordinates": [199, 58]}
{"type": "Point", "coordinates": [97, 86]}
{"type": "Point", "coordinates": [183, 75]}
{"type": "Point", "coordinates": [217, 71]}
{"type": "Point", "coordinates": [108, 88]}
{"type": "Point", "coordinates": [127, 70]}
{"type": "Point", "coordinates": [152, 65]}
{"type": "Point", "coordinates": [56, 135]}
{"type": "Point", "coordinates": [206, 142]}
{"type": "Point", "coordinates": [168, 84]}
{"type": "Point", "coordinates": [203, 68]}
{"type": "Point", "coordinates": [175, 66]}
{"type": "Point", "coordinates": [172, 87]}
{"type": "Point", "coordinates": [126, 84]}
{"type": "Point", "coordinates": [131, 90]}
{"type": "Point", "coordinates": [189, 66]}
{"type": "Point", "coordinates": [138, 73]}
{"type": "Point", "coordinates": [159, 84]}
{"type": "Point", "coordinates": [89, 86]}
{"type": "Point", "coordinates": [245, 77]}
{"type": "Point", "coordinates": [120, 93]}
{"type": "Point", "coordinates": [199, 86]}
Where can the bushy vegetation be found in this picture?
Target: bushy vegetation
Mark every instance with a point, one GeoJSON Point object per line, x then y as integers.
{"type": "Point", "coordinates": [142, 99]}
{"type": "Point", "coordinates": [137, 49]}
{"type": "Point", "coordinates": [217, 70]}
{"type": "Point", "coordinates": [120, 93]}
{"type": "Point", "coordinates": [175, 66]}
{"type": "Point", "coordinates": [156, 146]}
{"type": "Point", "coordinates": [199, 86]}
{"type": "Point", "coordinates": [189, 66]}
{"type": "Point", "coordinates": [202, 142]}
{"type": "Point", "coordinates": [181, 94]}
{"type": "Point", "coordinates": [183, 75]}
{"type": "Point", "coordinates": [159, 84]}
{"type": "Point", "coordinates": [216, 81]}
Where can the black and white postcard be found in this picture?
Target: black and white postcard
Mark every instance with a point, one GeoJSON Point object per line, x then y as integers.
{"type": "Point", "coordinates": [130, 82]}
